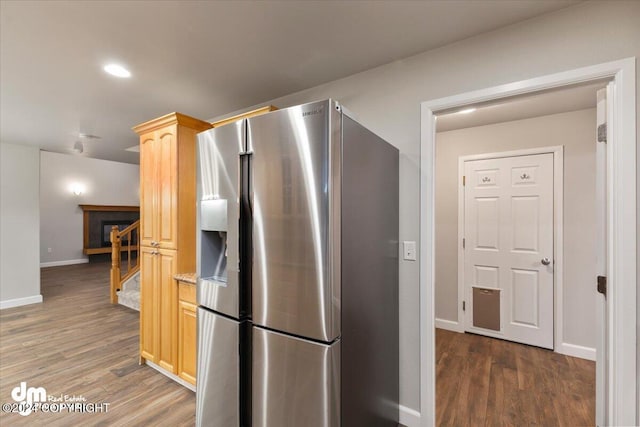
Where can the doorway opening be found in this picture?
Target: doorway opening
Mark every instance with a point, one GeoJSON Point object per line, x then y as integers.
{"type": "Point", "coordinates": [618, 389]}
{"type": "Point", "coordinates": [507, 259]}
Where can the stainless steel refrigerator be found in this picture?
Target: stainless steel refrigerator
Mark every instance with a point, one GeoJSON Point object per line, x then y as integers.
{"type": "Point", "coordinates": [298, 272]}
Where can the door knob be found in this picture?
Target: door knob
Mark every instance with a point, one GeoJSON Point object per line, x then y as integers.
{"type": "Point", "coordinates": [545, 261]}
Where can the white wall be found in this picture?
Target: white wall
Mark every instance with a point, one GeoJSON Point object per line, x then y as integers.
{"type": "Point", "coordinates": [105, 183]}
{"type": "Point", "coordinates": [576, 132]}
{"type": "Point", "coordinates": [19, 225]}
{"type": "Point", "coordinates": [387, 100]}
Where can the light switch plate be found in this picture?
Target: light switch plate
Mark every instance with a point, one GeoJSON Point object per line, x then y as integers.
{"type": "Point", "coordinates": [409, 250]}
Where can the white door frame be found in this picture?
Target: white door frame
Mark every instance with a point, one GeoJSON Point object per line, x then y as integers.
{"type": "Point", "coordinates": [558, 261]}
{"type": "Point", "coordinates": [621, 398]}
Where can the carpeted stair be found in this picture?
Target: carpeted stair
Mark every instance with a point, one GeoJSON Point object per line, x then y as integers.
{"type": "Point", "coordinates": [129, 296]}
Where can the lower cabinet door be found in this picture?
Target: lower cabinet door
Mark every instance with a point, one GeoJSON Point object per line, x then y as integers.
{"type": "Point", "coordinates": [149, 301]}
{"type": "Point", "coordinates": [295, 382]}
{"type": "Point", "coordinates": [167, 357]}
{"type": "Point", "coordinates": [218, 374]}
{"type": "Point", "coordinates": [187, 341]}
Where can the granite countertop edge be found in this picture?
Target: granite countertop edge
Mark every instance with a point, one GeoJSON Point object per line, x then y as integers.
{"type": "Point", "coordinates": [191, 278]}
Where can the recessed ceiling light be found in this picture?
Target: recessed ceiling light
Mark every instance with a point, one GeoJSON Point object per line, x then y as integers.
{"type": "Point", "coordinates": [117, 70]}
{"type": "Point", "coordinates": [466, 111]}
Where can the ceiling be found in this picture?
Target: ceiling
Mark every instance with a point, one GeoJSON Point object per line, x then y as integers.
{"type": "Point", "coordinates": [573, 98]}
{"type": "Point", "coordinates": [202, 58]}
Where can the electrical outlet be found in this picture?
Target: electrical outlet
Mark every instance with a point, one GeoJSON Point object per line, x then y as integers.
{"type": "Point", "coordinates": [49, 250]}
{"type": "Point", "coordinates": [409, 250]}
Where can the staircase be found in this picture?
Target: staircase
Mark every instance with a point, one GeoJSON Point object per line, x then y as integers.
{"type": "Point", "coordinates": [129, 295]}
{"type": "Point", "coordinates": [125, 266]}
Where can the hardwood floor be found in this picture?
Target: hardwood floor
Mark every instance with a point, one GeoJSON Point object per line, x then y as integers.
{"type": "Point", "coordinates": [77, 343]}
{"type": "Point", "coordinates": [482, 381]}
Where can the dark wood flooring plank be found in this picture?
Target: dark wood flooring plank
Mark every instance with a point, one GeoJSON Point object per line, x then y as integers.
{"type": "Point", "coordinates": [490, 382]}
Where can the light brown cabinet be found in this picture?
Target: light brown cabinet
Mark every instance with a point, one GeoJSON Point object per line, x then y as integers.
{"type": "Point", "coordinates": [168, 239]}
{"type": "Point", "coordinates": [187, 325]}
{"type": "Point", "coordinates": [167, 229]}
{"type": "Point", "coordinates": [158, 296]}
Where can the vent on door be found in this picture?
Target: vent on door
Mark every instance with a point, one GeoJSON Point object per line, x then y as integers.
{"type": "Point", "coordinates": [486, 308]}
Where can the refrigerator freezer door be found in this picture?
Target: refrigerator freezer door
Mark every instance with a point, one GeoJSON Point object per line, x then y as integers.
{"type": "Point", "coordinates": [217, 241]}
{"type": "Point", "coordinates": [218, 381]}
{"type": "Point", "coordinates": [295, 188]}
{"type": "Point", "coordinates": [295, 382]}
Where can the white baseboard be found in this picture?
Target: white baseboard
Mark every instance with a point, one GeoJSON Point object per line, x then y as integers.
{"type": "Point", "coordinates": [17, 302]}
{"type": "Point", "coordinates": [409, 417]}
{"type": "Point", "coordinates": [170, 375]}
{"type": "Point", "coordinates": [64, 262]}
{"type": "Point", "coordinates": [576, 351]}
{"type": "Point", "coordinates": [449, 325]}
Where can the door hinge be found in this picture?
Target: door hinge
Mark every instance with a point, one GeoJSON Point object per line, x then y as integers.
{"type": "Point", "coordinates": [463, 242]}
{"type": "Point", "coordinates": [464, 305]}
{"type": "Point", "coordinates": [602, 285]}
{"type": "Point", "coordinates": [602, 133]}
{"type": "Point", "coordinates": [464, 180]}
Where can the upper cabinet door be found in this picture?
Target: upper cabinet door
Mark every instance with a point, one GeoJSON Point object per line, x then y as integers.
{"type": "Point", "coordinates": [293, 289]}
{"type": "Point", "coordinates": [148, 196]}
{"type": "Point", "coordinates": [167, 208]}
{"type": "Point", "coordinates": [158, 188]}
{"type": "Point", "coordinates": [167, 183]}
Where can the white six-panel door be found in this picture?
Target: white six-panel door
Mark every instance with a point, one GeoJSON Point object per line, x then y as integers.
{"type": "Point", "coordinates": [508, 255]}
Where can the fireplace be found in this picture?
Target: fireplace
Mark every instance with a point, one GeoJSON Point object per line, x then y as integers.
{"type": "Point", "coordinates": [107, 225]}
{"type": "Point", "coordinates": [97, 221]}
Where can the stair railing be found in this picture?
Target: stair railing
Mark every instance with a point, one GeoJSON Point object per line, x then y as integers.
{"type": "Point", "coordinates": [123, 269]}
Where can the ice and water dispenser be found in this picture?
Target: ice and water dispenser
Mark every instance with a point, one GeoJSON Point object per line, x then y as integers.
{"type": "Point", "coordinates": [213, 240]}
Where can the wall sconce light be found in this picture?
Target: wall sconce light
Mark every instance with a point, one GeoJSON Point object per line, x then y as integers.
{"type": "Point", "coordinates": [77, 189]}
